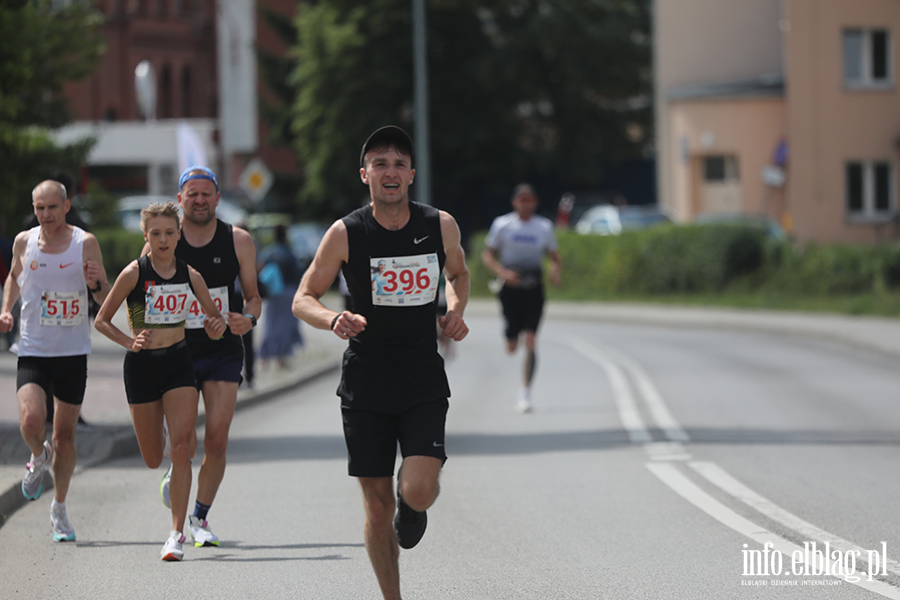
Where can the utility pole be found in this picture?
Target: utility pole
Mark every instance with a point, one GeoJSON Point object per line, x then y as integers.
{"type": "Point", "coordinates": [420, 78]}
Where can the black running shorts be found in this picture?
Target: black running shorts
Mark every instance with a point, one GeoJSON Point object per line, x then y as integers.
{"type": "Point", "coordinates": [151, 373]}
{"type": "Point", "coordinates": [522, 309]}
{"type": "Point", "coordinates": [372, 438]}
{"type": "Point", "coordinates": [63, 377]}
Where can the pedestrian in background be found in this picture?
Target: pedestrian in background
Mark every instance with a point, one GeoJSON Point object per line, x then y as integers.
{"type": "Point", "coordinates": [515, 248]}
{"type": "Point", "coordinates": [281, 331]}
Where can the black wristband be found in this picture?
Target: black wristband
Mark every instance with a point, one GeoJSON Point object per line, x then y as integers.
{"type": "Point", "coordinates": [334, 320]}
{"type": "Point", "coordinates": [98, 288]}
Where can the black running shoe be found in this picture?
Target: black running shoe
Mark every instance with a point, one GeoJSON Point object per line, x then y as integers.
{"type": "Point", "coordinates": [409, 524]}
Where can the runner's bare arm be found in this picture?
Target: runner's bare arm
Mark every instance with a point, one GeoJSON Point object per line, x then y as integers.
{"type": "Point", "coordinates": [457, 274]}
{"type": "Point", "coordinates": [214, 323]}
{"type": "Point", "coordinates": [490, 257]}
{"type": "Point", "coordinates": [246, 253]}
{"type": "Point", "coordinates": [94, 270]}
{"type": "Point", "coordinates": [125, 282]}
{"type": "Point", "coordinates": [333, 252]}
{"type": "Point", "coordinates": [11, 288]}
{"type": "Point", "coordinates": [556, 266]}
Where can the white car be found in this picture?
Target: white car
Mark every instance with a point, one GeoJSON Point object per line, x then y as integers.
{"type": "Point", "coordinates": [600, 220]}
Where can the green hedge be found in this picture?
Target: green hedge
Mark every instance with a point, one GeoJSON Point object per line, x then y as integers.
{"type": "Point", "coordinates": [706, 261]}
{"type": "Point", "coordinates": [119, 247]}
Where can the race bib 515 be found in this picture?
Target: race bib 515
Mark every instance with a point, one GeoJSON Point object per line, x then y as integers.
{"type": "Point", "coordinates": [63, 309]}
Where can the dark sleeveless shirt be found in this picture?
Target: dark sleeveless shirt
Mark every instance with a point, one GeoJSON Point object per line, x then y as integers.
{"type": "Point", "coordinates": [147, 276]}
{"type": "Point", "coordinates": [394, 363]}
{"type": "Point", "coordinates": [218, 263]}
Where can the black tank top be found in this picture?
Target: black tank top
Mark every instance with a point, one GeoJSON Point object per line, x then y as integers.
{"type": "Point", "coordinates": [394, 364]}
{"type": "Point", "coordinates": [218, 263]}
{"type": "Point", "coordinates": [147, 276]}
{"type": "Point", "coordinates": [396, 325]}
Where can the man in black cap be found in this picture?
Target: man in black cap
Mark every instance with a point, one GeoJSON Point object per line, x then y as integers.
{"type": "Point", "coordinates": [393, 387]}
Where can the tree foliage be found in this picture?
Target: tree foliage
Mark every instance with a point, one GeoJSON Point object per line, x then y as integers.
{"type": "Point", "coordinates": [41, 48]}
{"type": "Point", "coordinates": [549, 91]}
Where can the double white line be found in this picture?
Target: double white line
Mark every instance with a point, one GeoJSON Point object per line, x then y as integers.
{"type": "Point", "coordinates": [666, 456]}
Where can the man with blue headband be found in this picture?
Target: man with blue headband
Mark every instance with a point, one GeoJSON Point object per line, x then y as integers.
{"type": "Point", "coordinates": [221, 253]}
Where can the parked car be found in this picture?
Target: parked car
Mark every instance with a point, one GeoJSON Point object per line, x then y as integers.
{"type": "Point", "coordinates": [304, 239]}
{"type": "Point", "coordinates": [600, 220]}
{"type": "Point", "coordinates": [607, 219]}
{"type": "Point", "coordinates": [642, 217]}
{"type": "Point", "coordinates": [773, 228]}
{"type": "Point", "coordinates": [129, 210]}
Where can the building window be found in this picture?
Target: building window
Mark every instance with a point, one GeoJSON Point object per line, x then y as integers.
{"type": "Point", "coordinates": [720, 169]}
{"type": "Point", "coordinates": [867, 58]}
{"type": "Point", "coordinates": [870, 190]}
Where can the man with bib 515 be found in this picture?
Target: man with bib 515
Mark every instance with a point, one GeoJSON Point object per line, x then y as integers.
{"type": "Point", "coordinates": [393, 387]}
{"type": "Point", "coordinates": [54, 267]}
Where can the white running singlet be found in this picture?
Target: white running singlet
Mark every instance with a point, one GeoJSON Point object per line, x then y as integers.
{"type": "Point", "coordinates": [54, 319]}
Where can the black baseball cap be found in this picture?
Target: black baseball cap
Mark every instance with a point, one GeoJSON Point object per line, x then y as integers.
{"type": "Point", "coordinates": [389, 135]}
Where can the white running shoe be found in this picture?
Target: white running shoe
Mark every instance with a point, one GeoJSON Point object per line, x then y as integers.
{"type": "Point", "coordinates": [62, 529]}
{"type": "Point", "coordinates": [200, 532]}
{"type": "Point", "coordinates": [524, 406]}
{"type": "Point", "coordinates": [164, 488]}
{"type": "Point", "coordinates": [172, 549]}
{"type": "Point", "coordinates": [33, 482]}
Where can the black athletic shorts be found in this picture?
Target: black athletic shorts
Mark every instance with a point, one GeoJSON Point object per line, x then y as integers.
{"type": "Point", "coordinates": [522, 309]}
{"type": "Point", "coordinates": [63, 377]}
{"type": "Point", "coordinates": [151, 373]}
{"type": "Point", "coordinates": [220, 368]}
{"type": "Point", "coordinates": [372, 438]}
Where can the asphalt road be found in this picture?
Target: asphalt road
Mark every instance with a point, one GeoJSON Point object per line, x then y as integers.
{"type": "Point", "coordinates": [659, 463]}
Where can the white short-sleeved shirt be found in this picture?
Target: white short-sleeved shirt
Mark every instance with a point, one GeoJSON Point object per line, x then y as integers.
{"type": "Point", "coordinates": [521, 244]}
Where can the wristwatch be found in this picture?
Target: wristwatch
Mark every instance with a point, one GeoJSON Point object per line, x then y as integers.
{"type": "Point", "coordinates": [99, 287]}
{"type": "Point", "coordinates": [252, 319]}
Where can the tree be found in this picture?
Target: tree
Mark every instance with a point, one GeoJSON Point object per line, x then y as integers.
{"type": "Point", "coordinates": [549, 91]}
{"type": "Point", "coordinates": [41, 48]}
{"type": "Point", "coordinates": [276, 99]}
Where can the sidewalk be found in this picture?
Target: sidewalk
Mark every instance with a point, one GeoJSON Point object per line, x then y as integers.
{"type": "Point", "coordinates": [110, 433]}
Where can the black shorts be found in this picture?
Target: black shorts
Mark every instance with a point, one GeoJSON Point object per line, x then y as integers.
{"type": "Point", "coordinates": [522, 309]}
{"type": "Point", "coordinates": [63, 377]}
{"type": "Point", "coordinates": [372, 438]}
{"type": "Point", "coordinates": [221, 368]}
{"type": "Point", "coordinates": [151, 373]}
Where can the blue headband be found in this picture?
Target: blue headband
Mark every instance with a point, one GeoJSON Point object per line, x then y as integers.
{"type": "Point", "coordinates": [206, 174]}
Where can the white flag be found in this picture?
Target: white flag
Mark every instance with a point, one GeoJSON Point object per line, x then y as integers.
{"type": "Point", "coordinates": [191, 149]}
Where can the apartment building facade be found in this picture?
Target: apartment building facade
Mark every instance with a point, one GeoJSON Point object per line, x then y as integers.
{"type": "Point", "coordinates": [783, 108]}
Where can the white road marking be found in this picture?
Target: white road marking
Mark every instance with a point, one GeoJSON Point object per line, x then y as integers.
{"type": "Point", "coordinates": [616, 364]}
{"type": "Point", "coordinates": [669, 474]}
{"type": "Point", "coordinates": [629, 414]}
{"type": "Point", "coordinates": [731, 486]}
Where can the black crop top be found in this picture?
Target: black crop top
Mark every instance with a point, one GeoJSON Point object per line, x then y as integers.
{"type": "Point", "coordinates": [147, 277]}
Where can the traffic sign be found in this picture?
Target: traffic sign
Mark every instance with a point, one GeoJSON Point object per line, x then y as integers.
{"type": "Point", "coordinates": [256, 180]}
